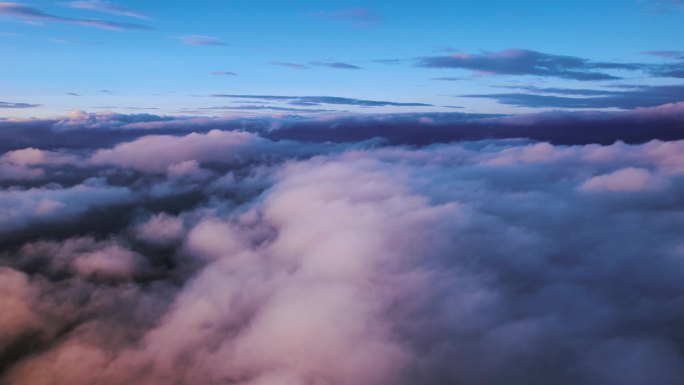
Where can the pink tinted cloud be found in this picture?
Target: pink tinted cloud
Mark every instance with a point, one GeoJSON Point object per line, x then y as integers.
{"type": "Point", "coordinates": [156, 153]}
{"type": "Point", "coordinates": [624, 180]}
{"type": "Point", "coordinates": [360, 17]}
{"type": "Point", "coordinates": [107, 7]}
{"type": "Point", "coordinates": [378, 265]}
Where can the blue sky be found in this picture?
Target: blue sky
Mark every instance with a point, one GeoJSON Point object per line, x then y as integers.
{"type": "Point", "coordinates": [174, 57]}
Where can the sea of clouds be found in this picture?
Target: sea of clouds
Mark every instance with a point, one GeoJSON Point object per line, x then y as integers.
{"type": "Point", "coordinates": [229, 256]}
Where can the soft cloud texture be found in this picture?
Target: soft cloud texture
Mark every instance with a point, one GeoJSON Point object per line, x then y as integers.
{"type": "Point", "coordinates": [234, 258]}
{"type": "Point", "coordinates": [202, 40]}
{"type": "Point", "coordinates": [360, 17]}
{"type": "Point", "coordinates": [23, 207]}
{"type": "Point", "coordinates": [107, 7]}
{"type": "Point", "coordinates": [27, 13]}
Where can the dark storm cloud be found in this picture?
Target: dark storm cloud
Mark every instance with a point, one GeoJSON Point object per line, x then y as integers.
{"type": "Point", "coordinates": [644, 96]}
{"type": "Point", "coordinates": [24, 12]}
{"type": "Point", "coordinates": [527, 62]}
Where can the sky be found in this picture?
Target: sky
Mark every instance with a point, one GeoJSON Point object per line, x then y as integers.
{"type": "Point", "coordinates": [230, 57]}
{"type": "Point", "coordinates": [304, 192]}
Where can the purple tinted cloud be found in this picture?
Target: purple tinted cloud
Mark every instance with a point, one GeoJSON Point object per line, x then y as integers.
{"type": "Point", "coordinates": [315, 100]}
{"type": "Point", "coordinates": [644, 96]}
{"type": "Point", "coordinates": [202, 40]}
{"type": "Point", "coordinates": [17, 105]}
{"type": "Point", "coordinates": [107, 7]}
{"type": "Point", "coordinates": [270, 108]}
{"type": "Point", "coordinates": [526, 62]}
{"type": "Point", "coordinates": [448, 79]}
{"type": "Point", "coordinates": [666, 54]}
{"type": "Point", "coordinates": [338, 65]}
{"type": "Point", "coordinates": [27, 13]}
{"type": "Point", "coordinates": [223, 73]}
{"type": "Point", "coordinates": [389, 61]}
{"type": "Point", "coordinates": [288, 65]}
{"type": "Point", "coordinates": [360, 17]}
{"type": "Point", "coordinates": [663, 6]}
{"type": "Point", "coordinates": [84, 131]}
{"type": "Point", "coordinates": [671, 70]}
{"type": "Point", "coordinates": [209, 258]}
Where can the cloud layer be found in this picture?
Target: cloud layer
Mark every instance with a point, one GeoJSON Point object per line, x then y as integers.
{"type": "Point", "coordinates": [155, 255]}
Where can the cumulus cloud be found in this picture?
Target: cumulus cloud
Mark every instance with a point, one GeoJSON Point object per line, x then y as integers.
{"type": "Point", "coordinates": [626, 179]}
{"type": "Point", "coordinates": [32, 156]}
{"type": "Point", "coordinates": [160, 229]}
{"type": "Point", "coordinates": [23, 207]}
{"type": "Point", "coordinates": [179, 155]}
{"type": "Point", "coordinates": [492, 261]}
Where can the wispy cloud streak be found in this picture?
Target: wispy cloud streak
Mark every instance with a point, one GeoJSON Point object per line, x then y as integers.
{"type": "Point", "coordinates": [360, 17]}
{"type": "Point", "coordinates": [26, 13]}
{"type": "Point", "coordinates": [107, 7]}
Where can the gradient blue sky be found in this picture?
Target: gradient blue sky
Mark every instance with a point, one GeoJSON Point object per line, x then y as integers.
{"type": "Point", "coordinates": [170, 57]}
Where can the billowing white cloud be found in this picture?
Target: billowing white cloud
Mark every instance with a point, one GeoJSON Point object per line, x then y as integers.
{"type": "Point", "coordinates": [157, 153]}
{"type": "Point", "coordinates": [626, 179]}
{"type": "Point", "coordinates": [491, 262]}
